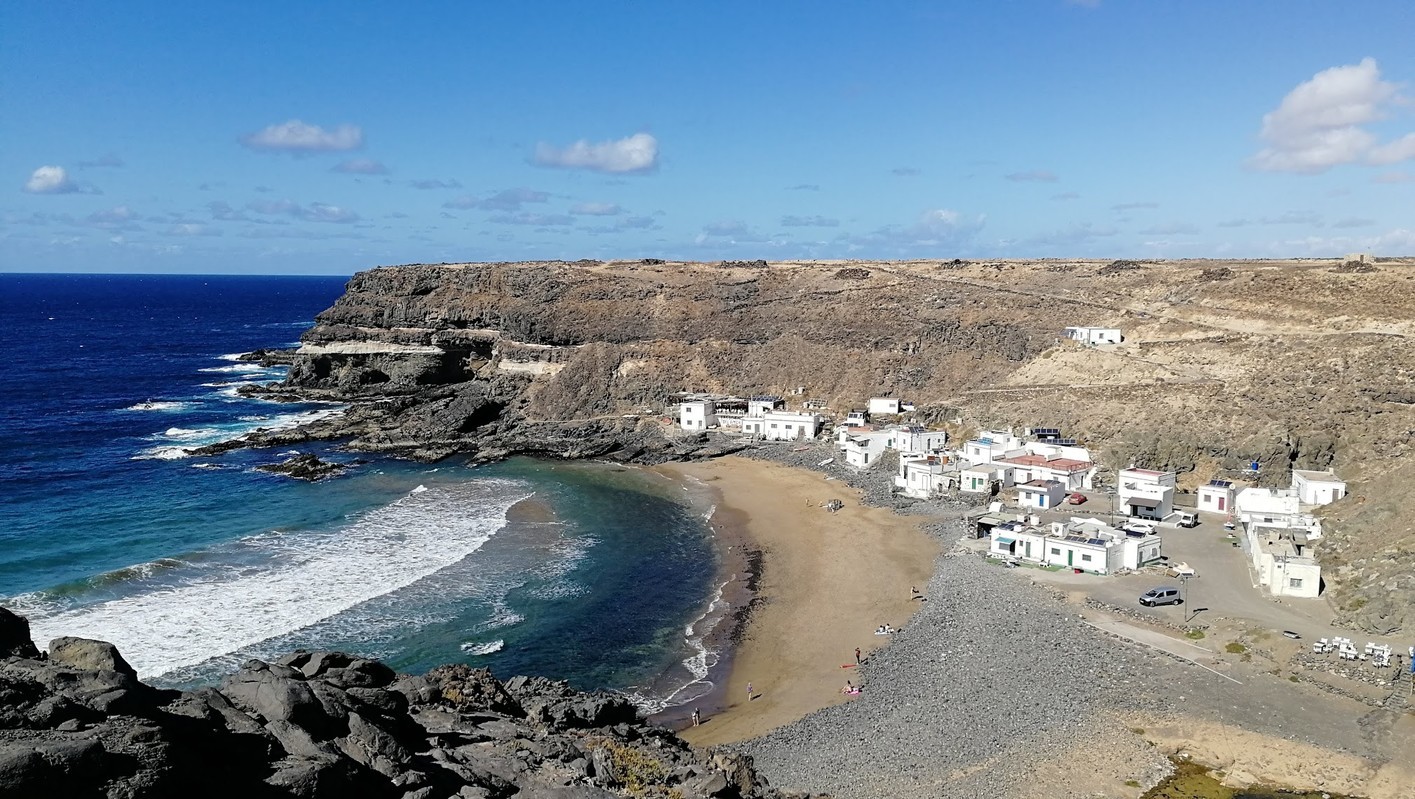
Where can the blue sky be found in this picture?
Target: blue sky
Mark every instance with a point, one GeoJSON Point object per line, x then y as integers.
{"type": "Point", "coordinates": [325, 138]}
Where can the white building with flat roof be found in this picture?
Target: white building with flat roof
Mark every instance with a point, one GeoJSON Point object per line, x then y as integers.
{"type": "Point", "coordinates": [697, 416]}
{"type": "Point", "coordinates": [924, 476]}
{"type": "Point", "coordinates": [1216, 497]}
{"type": "Point", "coordinates": [1146, 493]}
{"type": "Point", "coordinates": [885, 406]}
{"type": "Point", "coordinates": [916, 439]}
{"type": "Point", "coordinates": [1317, 488]}
{"type": "Point", "coordinates": [782, 426]}
{"type": "Point", "coordinates": [1090, 545]}
{"type": "Point", "coordinates": [1283, 560]}
{"type": "Point", "coordinates": [862, 447]}
{"type": "Point", "coordinates": [1041, 494]}
{"type": "Point", "coordinates": [1093, 335]}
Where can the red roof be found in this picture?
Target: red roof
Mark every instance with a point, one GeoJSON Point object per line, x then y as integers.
{"type": "Point", "coordinates": [1063, 464]}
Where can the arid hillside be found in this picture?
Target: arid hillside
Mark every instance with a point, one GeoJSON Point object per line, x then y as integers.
{"type": "Point", "coordinates": [1302, 364]}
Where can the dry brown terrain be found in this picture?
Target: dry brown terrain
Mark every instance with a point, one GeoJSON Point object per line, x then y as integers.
{"type": "Point", "coordinates": [1303, 364]}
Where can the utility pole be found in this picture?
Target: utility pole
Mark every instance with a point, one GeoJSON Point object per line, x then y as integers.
{"type": "Point", "coordinates": [1184, 591]}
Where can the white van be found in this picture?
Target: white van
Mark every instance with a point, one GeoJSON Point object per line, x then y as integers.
{"type": "Point", "coordinates": [1187, 519]}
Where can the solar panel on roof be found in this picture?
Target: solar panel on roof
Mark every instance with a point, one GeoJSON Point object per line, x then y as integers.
{"type": "Point", "coordinates": [1094, 541]}
{"type": "Point", "coordinates": [1221, 483]}
{"type": "Point", "coordinates": [1065, 442]}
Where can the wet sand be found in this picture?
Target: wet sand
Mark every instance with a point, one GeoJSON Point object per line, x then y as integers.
{"type": "Point", "coordinates": [826, 582]}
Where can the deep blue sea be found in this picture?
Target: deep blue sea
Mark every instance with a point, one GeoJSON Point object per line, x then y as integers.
{"type": "Point", "coordinates": [110, 529]}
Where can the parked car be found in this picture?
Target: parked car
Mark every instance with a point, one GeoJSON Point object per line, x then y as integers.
{"type": "Point", "coordinates": [1187, 519]}
{"type": "Point", "coordinates": [1165, 595]}
{"type": "Point", "coordinates": [1076, 499]}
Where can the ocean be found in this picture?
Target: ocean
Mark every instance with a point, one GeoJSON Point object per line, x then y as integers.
{"type": "Point", "coordinates": [598, 574]}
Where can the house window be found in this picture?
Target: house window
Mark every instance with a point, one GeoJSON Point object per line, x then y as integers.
{"type": "Point", "coordinates": [1085, 557]}
{"type": "Point", "coordinates": [772, 425]}
{"type": "Point", "coordinates": [1055, 551]}
{"type": "Point", "coordinates": [1294, 582]}
{"type": "Point", "coordinates": [789, 428]}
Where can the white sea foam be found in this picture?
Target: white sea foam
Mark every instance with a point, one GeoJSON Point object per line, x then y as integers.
{"type": "Point", "coordinates": [164, 405]}
{"type": "Point", "coordinates": [418, 490]}
{"type": "Point", "coordinates": [306, 578]}
{"type": "Point", "coordinates": [477, 649]}
{"type": "Point", "coordinates": [243, 368]}
{"type": "Point", "coordinates": [699, 664]}
{"type": "Point", "coordinates": [192, 438]}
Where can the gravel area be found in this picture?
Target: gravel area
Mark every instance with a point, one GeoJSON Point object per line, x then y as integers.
{"type": "Point", "coordinates": [991, 677]}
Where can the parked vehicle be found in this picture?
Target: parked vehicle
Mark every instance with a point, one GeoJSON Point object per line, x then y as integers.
{"type": "Point", "coordinates": [1076, 499]}
{"type": "Point", "coordinates": [1187, 519]}
{"type": "Point", "coordinates": [1165, 595]}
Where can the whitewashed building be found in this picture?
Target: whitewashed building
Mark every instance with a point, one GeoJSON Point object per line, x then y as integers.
{"type": "Point", "coordinates": [1146, 493]}
{"type": "Point", "coordinates": [926, 476]}
{"type": "Point", "coordinates": [1074, 474]}
{"type": "Point", "coordinates": [1086, 544]}
{"type": "Point", "coordinates": [916, 439]}
{"type": "Point", "coordinates": [885, 406]}
{"type": "Point", "coordinates": [1317, 488]}
{"type": "Point", "coordinates": [991, 444]}
{"type": "Point", "coordinates": [1283, 560]}
{"type": "Point", "coordinates": [1041, 494]}
{"type": "Point", "coordinates": [697, 416]}
{"type": "Point", "coordinates": [1093, 335]}
{"type": "Point", "coordinates": [981, 478]}
{"type": "Point", "coordinates": [782, 426]}
{"type": "Point", "coordinates": [857, 417]}
{"type": "Point", "coordinates": [1216, 497]}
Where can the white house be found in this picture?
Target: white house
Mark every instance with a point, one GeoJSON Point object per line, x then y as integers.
{"type": "Point", "coordinates": [782, 425]}
{"type": "Point", "coordinates": [980, 478]}
{"type": "Point", "coordinates": [1266, 505]}
{"type": "Point", "coordinates": [862, 446]}
{"type": "Point", "coordinates": [926, 476]}
{"type": "Point", "coordinates": [1087, 544]}
{"type": "Point", "coordinates": [991, 444]}
{"type": "Point", "coordinates": [1041, 494]}
{"type": "Point", "coordinates": [856, 418]}
{"type": "Point", "coordinates": [1317, 488]}
{"type": "Point", "coordinates": [697, 416]}
{"type": "Point", "coordinates": [1073, 474]}
{"type": "Point", "coordinates": [1283, 560]}
{"type": "Point", "coordinates": [887, 406]}
{"type": "Point", "coordinates": [1093, 335]}
{"type": "Point", "coordinates": [756, 406]}
{"type": "Point", "coordinates": [1146, 493]}
{"type": "Point", "coordinates": [915, 439]}
{"type": "Point", "coordinates": [1216, 497]}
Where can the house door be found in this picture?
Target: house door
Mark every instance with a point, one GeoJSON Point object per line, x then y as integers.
{"type": "Point", "coordinates": [1069, 555]}
{"type": "Point", "coordinates": [1221, 502]}
{"type": "Point", "coordinates": [1029, 550]}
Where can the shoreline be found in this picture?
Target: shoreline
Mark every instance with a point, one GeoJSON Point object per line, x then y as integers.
{"type": "Point", "coordinates": [793, 637]}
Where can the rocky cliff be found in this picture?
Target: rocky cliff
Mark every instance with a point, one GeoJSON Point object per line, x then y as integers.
{"type": "Point", "coordinates": [77, 723]}
{"type": "Point", "coordinates": [1303, 364]}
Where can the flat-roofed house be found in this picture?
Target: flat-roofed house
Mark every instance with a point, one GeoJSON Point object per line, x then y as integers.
{"type": "Point", "coordinates": [1216, 497]}
{"type": "Point", "coordinates": [1146, 493]}
{"type": "Point", "coordinates": [1317, 488]}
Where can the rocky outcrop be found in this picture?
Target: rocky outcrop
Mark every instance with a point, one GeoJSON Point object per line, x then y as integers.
{"type": "Point", "coordinates": [79, 724]}
{"type": "Point", "coordinates": [305, 467]}
{"type": "Point", "coordinates": [1224, 363]}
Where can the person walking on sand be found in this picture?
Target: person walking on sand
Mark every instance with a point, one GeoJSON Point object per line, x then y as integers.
{"type": "Point", "coordinates": [857, 655]}
{"type": "Point", "coordinates": [697, 717]}
{"type": "Point", "coordinates": [749, 692]}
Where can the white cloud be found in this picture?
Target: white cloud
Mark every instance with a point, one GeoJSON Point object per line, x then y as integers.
{"type": "Point", "coordinates": [596, 209]}
{"type": "Point", "coordinates": [1319, 124]}
{"type": "Point", "coordinates": [360, 166]}
{"type": "Point", "coordinates": [504, 200]}
{"type": "Point", "coordinates": [314, 212]}
{"type": "Point", "coordinates": [51, 180]}
{"type": "Point", "coordinates": [297, 137]}
{"type": "Point", "coordinates": [636, 153]}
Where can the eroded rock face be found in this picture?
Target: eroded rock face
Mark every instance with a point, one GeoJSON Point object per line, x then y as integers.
{"type": "Point", "coordinates": [328, 724]}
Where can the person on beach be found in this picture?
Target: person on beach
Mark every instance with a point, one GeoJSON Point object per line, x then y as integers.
{"type": "Point", "coordinates": [749, 692]}
{"type": "Point", "coordinates": [697, 717]}
{"type": "Point", "coordinates": [848, 688]}
{"type": "Point", "coordinates": [857, 655]}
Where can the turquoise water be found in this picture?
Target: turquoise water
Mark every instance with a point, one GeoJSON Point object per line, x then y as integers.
{"type": "Point", "coordinates": [110, 529]}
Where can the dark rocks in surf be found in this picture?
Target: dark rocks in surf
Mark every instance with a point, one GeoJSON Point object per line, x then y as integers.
{"type": "Point", "coordinates": [14, 636]}
{"type": "Point", "coordinates": [329, 724]}
{"type": "Point", "coordinates": [305, 467]}
{"type": "Point", "coordinates": [269, 357]}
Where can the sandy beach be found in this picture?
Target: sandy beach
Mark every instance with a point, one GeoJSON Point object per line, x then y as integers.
{"type": "Point", "coordinates": [828, 580]}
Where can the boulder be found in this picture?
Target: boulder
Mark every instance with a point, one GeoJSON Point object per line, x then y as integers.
{"type": "Point", "coordinates": [473, 689]}
{"type": "Point", "coordinates": [14, 636]}
{"type": "Point", "coordinates": [88, 655]}
{"type": "Point", "coordinates": [274, 694]}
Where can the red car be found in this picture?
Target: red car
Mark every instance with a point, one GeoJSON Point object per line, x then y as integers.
{"type": "Point", "coordinates": [1076, 499]}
